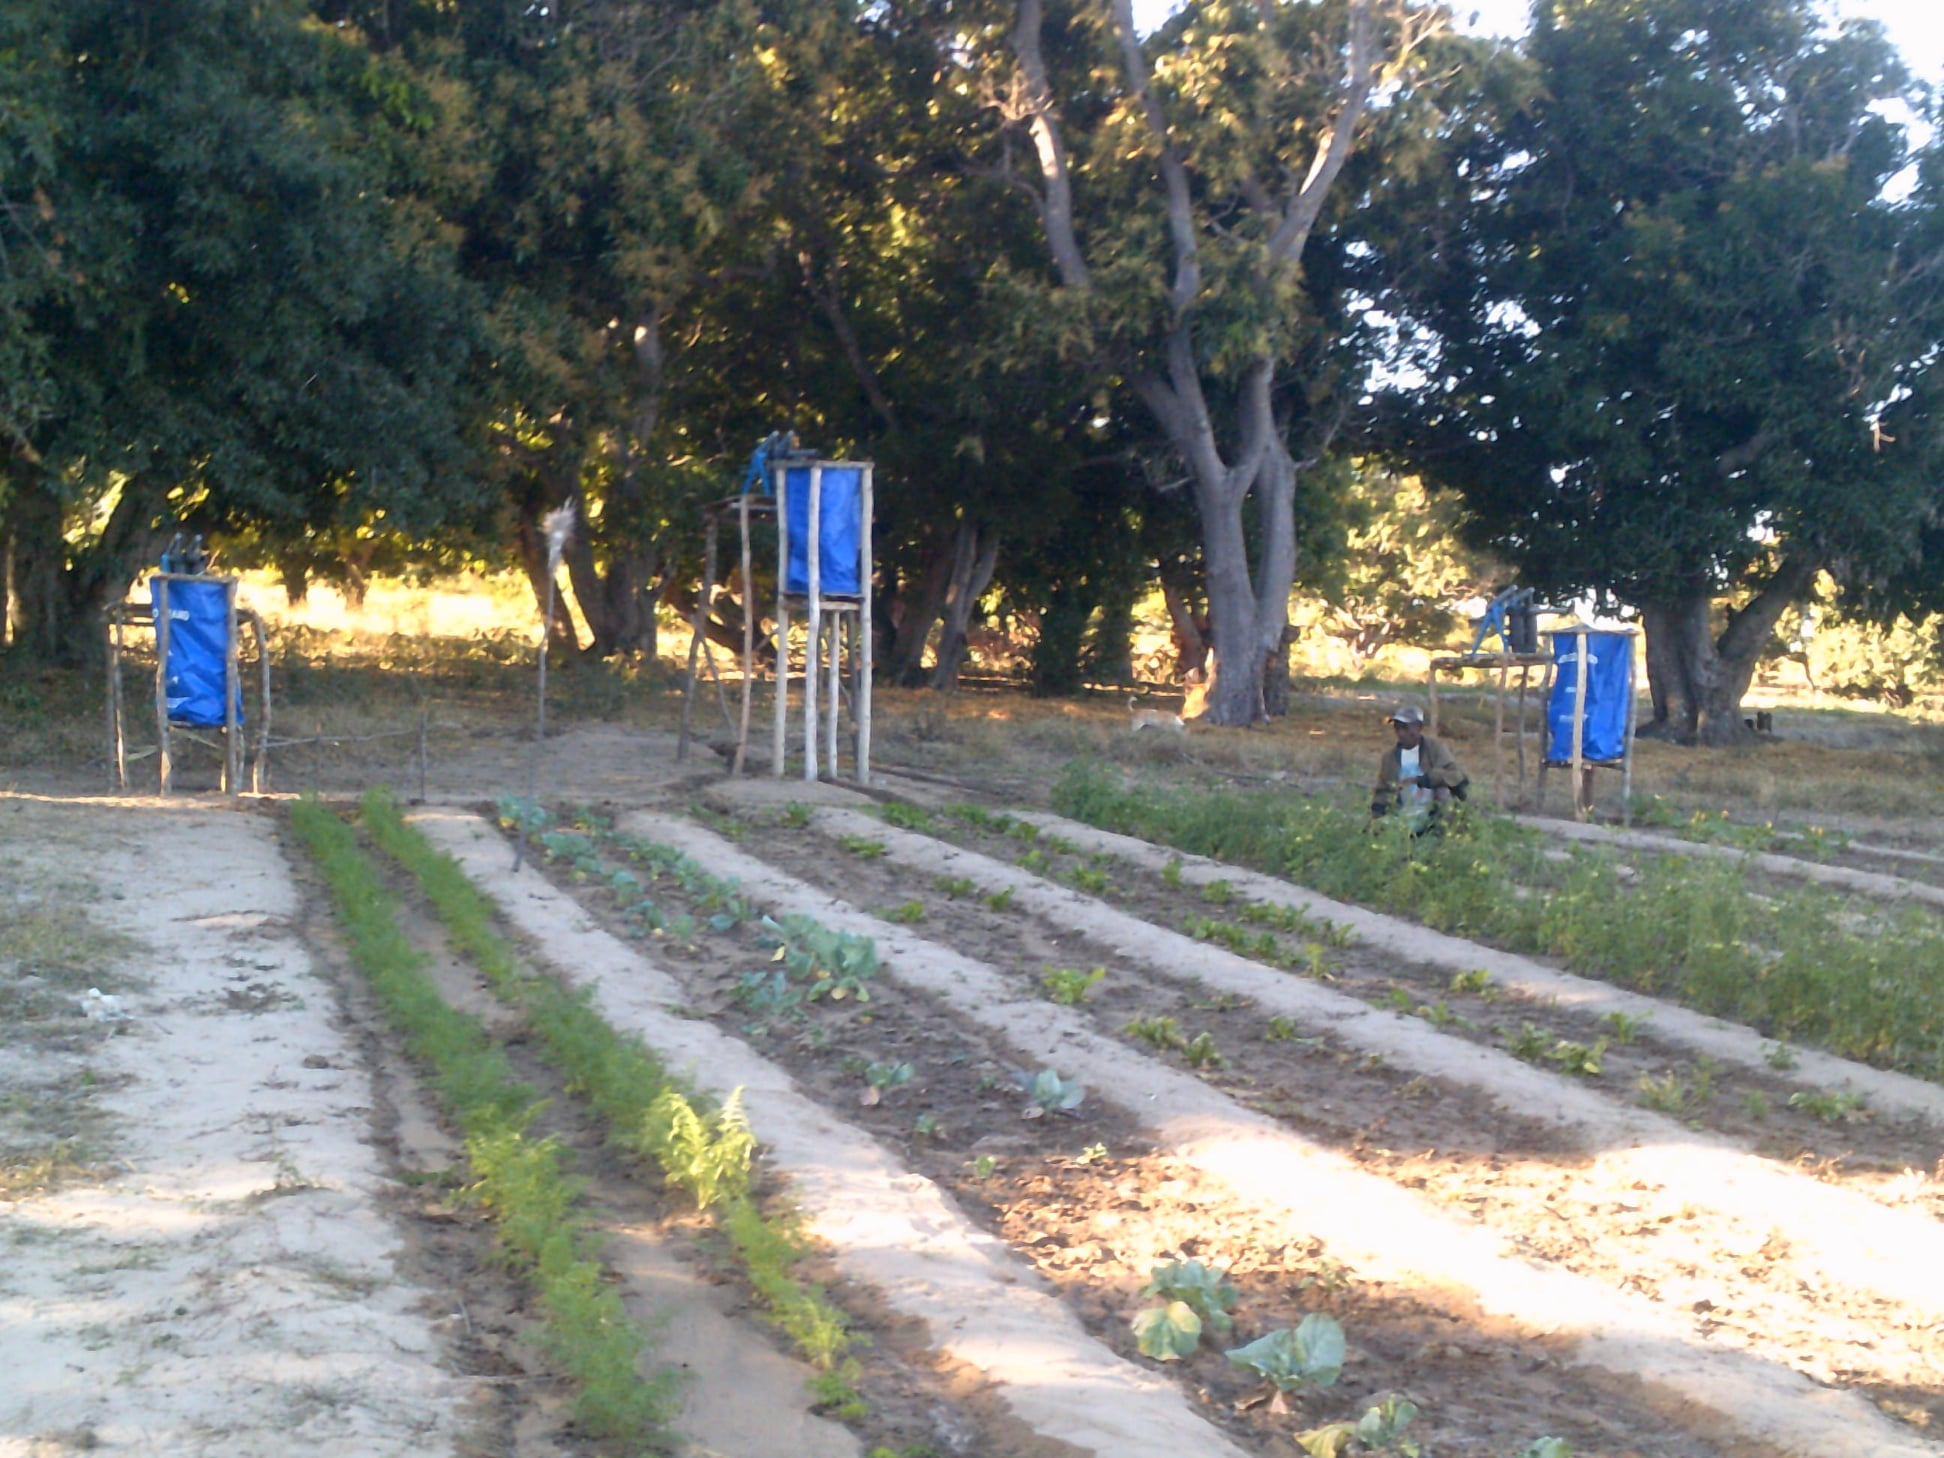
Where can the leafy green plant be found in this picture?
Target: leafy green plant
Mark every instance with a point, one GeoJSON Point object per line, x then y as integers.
{"type": "Point", "coordinates": [863, 845]}
{"type": "Point", "coordinates": [1201, 1052]}
{"type": "Point", "coordinates": [707, 1156]}
{"type": "Point", "coordinates": [1309, 1354]}
{"type": "Point", "coordinates": [1220, 893]}
{"type": "Point", "coordinates": [984, 1167]}
{"type": "Point", "coordinates": [1033, 860]}
{"type": "Point", "coordinates": [1379, 1430]}
{"type": "Point", "coordinates": [1780, 1056]}
{"type": "Point", "coordinates": [1168, 1333]}
{"type": "Point", "coordinates": [953, 886]}
{"type": "Point", "coordinates": [905, 815]}
{"type": "Point", "coordinates": [1530, 1043]}
{"type": "Point", "coordinates": [1755, 1104]}
{"type": "Point", "coordinates": [1068, 986]}
{"type": "Point", "coordinates": [1548, 1448]}
{"type": "Point", "coordinates": [1477, 982]}
{"type": "Point", "coordinates": [906, 912]}
{"type": "Point", "coordinates": [882, 1078]}
{"type": "Point", "coordinates": [999, 900]}
{"type": "Point", "coordinates": [1048, 1093]}
{"type": "Point", "coordinates": [1204, 1288]}
{"type": "Point", "coordinates": [1159, 1033]}
{"type": "Point", "coordinates": [769, 994]}
{"type": "Point", "coordinates": [1279, 1029]}
{"type": "Point", "coordinates": [1621, 1027]}
{"type": "Point", "coordinates": [833, 964]}
{"type": "Point", "coordinates": [1582, 1060]}
{"type": "Point", "coordinates": [1171, 873]}
{"type": "Point", "coordinates": [1831, 1108]}
{"type": "Point", "coordinates": [796, 816]}
{"type": "Point", "coordinates": [1093, 882]}
{"type": "Point", "coordinates": [926, 1126]}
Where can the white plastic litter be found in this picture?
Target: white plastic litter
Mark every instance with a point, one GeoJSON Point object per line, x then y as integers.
{"type": "Point", "coordinates": [102, 1007]}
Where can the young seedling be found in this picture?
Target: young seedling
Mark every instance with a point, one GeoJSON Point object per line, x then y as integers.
{"type": "Point", "coordinates": [1171, 873]}
{"type": "Point", "coordinates": [1622, 1027]}
{"type": "Point", "coordinates": [1579, 1059]}
{"type": "Point", "coordinates": [1218, 893]}
{"type": "Point", "coordinates": [1092, 1154]}
{"type": "Point", "coordinates": [984, 1167]}
{"type": "Point", "coordinates": [906, 912]}
{"type": "Point", "coordinates": [862, 845]}
{"type": "Point", "coordinates": [1307, 1355]}
{"type": "Point", "coordinates": [1159, 1033]}
{"type": "Point", "coordinates": [1201, 1052]}
{"type": "Point", "coordinates": [1529, 1044]}
{"type": "Point", "coordinates": [1831, 1108]}
{"type": "Point", "coordinates": [999, 900]}
{"type": "Point", "coordinates": [1168, 1333]}
{"type": "Point", "coordinates": [1034, 860]}
{"type": "Point", "coordinates": [1379, 1430]}
{"type": "Point", "coordinates": [904, 816]}
{"type": "Point", "coordinates": [1048, 1093]}
{"type": "Point", "coordinates": [880, 1079]}
{"type": "Point", "coordinates": [954, 886]}
{"type": "Point", "coordinates": [1068, 985]}
{"type": "Point", "coordinates": [1204, 1288]}
{"type": "Point", "coordinates": [1316, 962]}
{"type": "Point", "coordinates": [1477, 982]}
{"type": "Point", "coordinates": [1279, 1030]}
{"type": "Point", "coordinates": [1093, 882]}
{"type": "Point", "coordinates": [1548, 1448]}
{"type": "Point", "coordinates": [926, 1126]}
{"type": "Point", "coordinates": [1779, 1056]}
{"type": "Point", "coordinates": [796, 816]}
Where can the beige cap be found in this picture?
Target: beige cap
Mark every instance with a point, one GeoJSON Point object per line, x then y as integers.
{"type": "Point", "coordinates": [1406, 714]}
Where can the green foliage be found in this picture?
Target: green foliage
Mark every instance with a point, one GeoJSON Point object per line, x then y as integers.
{"type": "Point", "coordinates": [1048, 1093]}
{"type": "Point", "coordinates": [1068, 985]}
{"type": "Point", "coordinates": [1207, 1290]}
{"type": "Point", "coordinates": [905, 815]}
{"type": "Point", "coordinates": [1380, 1429]}
{"type": "Point", "coordinates": [1831, 1108]}
{"type": "Point", "coordinates": [517, 1179]}
{"type": "Point", "coordinates": [1307, 1355]}
{"type": "Point", "coordinates": [954, 886]}
{"type": "Point", "coordinates": [1159, 1033]}
{"type": "Point", "coordinates": [708, 1157]}
{"type": "Point", "coordinates": [1168, 1333]}
{"type": "Point", "coordinates": [862, 845]}
{"type": "Point", "coordinates": [1200, 1052]}
{"type": "Point", "coordinates": [999, 900]}
{"type": "Point", "coordinates": [906, 912]}
{"type": "Point", "coordinates": [885, 1077]}
{"type": "Point", "coordinates": [1791, 963]}
{"type": "Point", "coordinates": [828, 963]}
{"type": "Point", "coordinates": [1279, 1029]}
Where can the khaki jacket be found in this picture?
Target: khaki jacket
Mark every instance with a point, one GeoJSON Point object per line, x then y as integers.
{"type": "Point", "coordinates": [1435, 762]}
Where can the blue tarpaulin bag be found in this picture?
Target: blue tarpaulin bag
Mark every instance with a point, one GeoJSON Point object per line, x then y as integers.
{"type": "Point", "coordinates": [198, 651]}
{"type": "Point", "coordinates": [840, 511]}
{"type": "Point", "coordinates": [1609, 696]}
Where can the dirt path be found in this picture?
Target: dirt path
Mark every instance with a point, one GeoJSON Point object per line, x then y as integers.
{"type": "Point", "coordinates": [214, 1272]}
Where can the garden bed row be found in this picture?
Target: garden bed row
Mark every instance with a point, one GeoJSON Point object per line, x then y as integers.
{"type": "Point", "coordinates": [1265, 1168]}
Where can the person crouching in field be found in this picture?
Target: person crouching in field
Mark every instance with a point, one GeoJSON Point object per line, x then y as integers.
{"type": "Point", "coordinates": [1417, 777]}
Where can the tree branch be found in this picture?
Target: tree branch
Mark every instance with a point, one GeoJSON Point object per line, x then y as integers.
{"type": "Point", "coordinates": [1293, 232]}
{"type": "Point", "coordinates": [1042, 122]}
{"type": "Point", "coordinates": [1174, 176]}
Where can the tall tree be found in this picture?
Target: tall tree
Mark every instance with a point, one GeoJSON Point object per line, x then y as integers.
{"type": "Point", "coordinates": [1682, 326]}
{"type": "Point", "coordinates": [1181, 180]}
{"type": "Point", "coordinates": [244, 321]}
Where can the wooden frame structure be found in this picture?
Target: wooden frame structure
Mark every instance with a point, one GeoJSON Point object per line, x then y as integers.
{"type": "Point", "coordinates": [122, 616]}
{"type": "Point", "coordinates": [1504, 663]}
{"type": "Point", "coordinates": [838, 627]}
{"type": "Point", "coordinates": [1580, 767]}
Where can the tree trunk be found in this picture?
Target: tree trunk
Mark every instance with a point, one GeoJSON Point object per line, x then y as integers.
{"type": "Point", "coordinates": [1056, 657]}
{"type": "Point", "coordinates": [1187, 627]}
{"type": "Point", "coordinates": [60, 590]}
{"type": "Point", "coordinates": [917, 609]}
{"type": "Point", "coordinates": [1697, 681]}
{"type": "Point", "coordinates": [293, 571]}
{"type": "Point", "coordinates": [530, 542]}
{"type": "Point", "coordinates": [974, 558]}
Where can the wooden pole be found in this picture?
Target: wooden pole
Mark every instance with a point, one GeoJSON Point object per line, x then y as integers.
{"type": "Point", "coordinates": [1627, 743]}
{"type": "Point", "coordinates": [736, 765]}
{"type": "Point", "coordinates": [159, 596]}
{"type": "Point", "coordinates": [1545, 723]}
{"type": "Point", "coordinates": [698, 621]}
{"type": "Point", "coordinates": [1525, 669]}
{"type": "Point", "coordinates": [1431, 694]}
{"type": "Point", "coordinates": [117, 744]}
{"type": "Point", "coordinates": [1498, 739]}
{"type": "Point", "coordinates": [813, 643]}
{"type": "Point", "coordinates": [834, 685]}
{"type": "Point", "coordinates": [232, 688]}
{"type": "Point", "coordinates": [260, 768]}
{"type": "Point", "coordinates": [1580, 807]}
{"type": "Point", "coordinates": [779, 741]}
{"type": "Point", "coordinates": [861, 695]}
